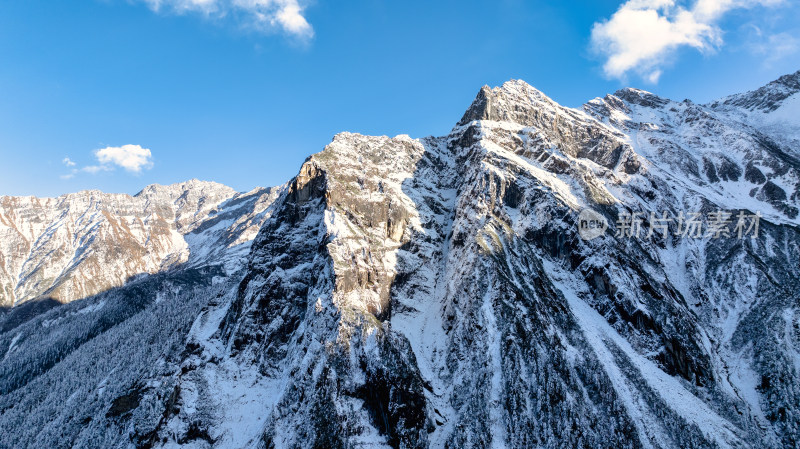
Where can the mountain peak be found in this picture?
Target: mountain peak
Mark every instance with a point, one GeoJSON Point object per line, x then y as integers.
{"type": "Point", "coordinates": [510, 102]}
{"type": "Point", "coordinates": [640, 97]}
{"type": "Point", "coordinates": [767, 98]}
{"type": "Point", "coordinates": [518, 85]}
{"type": "Point", "coordinates": [179, 188]}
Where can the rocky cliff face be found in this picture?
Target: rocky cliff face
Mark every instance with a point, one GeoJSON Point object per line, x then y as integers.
{"type": "Point", "coordinates": [81, 244]}
{"type": "Point", "coordinates": [437, 293]}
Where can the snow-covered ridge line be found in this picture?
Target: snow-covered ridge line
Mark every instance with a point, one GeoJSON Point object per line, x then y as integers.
{"type": "Point", "coordinates": [82, 243]}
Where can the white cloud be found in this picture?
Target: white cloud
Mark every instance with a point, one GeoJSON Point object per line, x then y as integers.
{"type": "Point", "coordinates": [291, 19]}
{"type": "Point", "coordinates": [262, 15]}
{"type": "Point", "coordinates": [643, 34]}
{"type": "Point", "coordinates": [132, 158]}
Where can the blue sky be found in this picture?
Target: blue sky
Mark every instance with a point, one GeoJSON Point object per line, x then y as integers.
{"type": "Point", "coordinates": [135, 92]}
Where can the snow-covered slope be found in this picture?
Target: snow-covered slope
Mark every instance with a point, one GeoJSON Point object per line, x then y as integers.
{"type": "Point", "coordinates": [773, 109]}
{"type": "Point", "coordinates": [80, 244]}
{"type": "Point", "coordinates": [436, 293]}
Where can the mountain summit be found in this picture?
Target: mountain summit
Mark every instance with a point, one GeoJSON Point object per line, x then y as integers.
{"type": "Point", "coordinates": [442, 293]}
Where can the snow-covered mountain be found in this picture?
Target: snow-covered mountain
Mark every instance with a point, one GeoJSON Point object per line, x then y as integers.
{"type": "Point", "coordinates": [437, 293]}
{"type": "Point", "coordinates": [773, 109]}
{"type": "Point", "coordinates": [84, 243]}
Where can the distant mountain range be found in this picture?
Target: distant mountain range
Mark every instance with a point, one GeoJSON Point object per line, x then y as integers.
{"type": "Point", "coordinates": [81, 244]}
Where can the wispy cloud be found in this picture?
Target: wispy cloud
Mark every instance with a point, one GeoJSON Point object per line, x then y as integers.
{"type": "Point", "coordinates": [774, 47]}
{"type": "Point", "coordinates": [131, 158]}
{"type": "Point", "coordinates": [69, 163]}
{"type": "Point", "coordinates": [643, 34]}
{"type": "Point", "coordinates": [261, 15]}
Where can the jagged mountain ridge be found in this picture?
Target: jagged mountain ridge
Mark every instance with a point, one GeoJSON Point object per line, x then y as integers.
{"type": "Point", "coordinates": [773, 109]}
{"type": "Point", "coordinates": [435, 293]}
{"type": "Point", "coordinates": [81, 244]}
